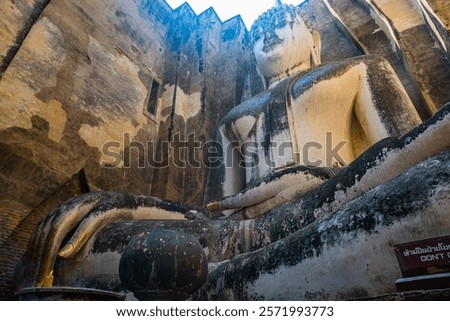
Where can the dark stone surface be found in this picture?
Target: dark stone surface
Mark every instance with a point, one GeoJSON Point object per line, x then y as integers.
{"type": "Point", "coordinates": [419, 295]}
{"type": "Point", "coordinates": [163, 265]}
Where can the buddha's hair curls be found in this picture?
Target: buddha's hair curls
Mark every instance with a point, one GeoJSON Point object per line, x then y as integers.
{"type": "Point", "coordinates": [265, 17]}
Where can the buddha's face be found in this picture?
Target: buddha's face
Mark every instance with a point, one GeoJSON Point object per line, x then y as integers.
{"type": "Point", "coordinates": [280, 43]}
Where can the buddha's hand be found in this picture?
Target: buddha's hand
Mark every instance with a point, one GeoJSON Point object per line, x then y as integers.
{"type": "Point", "coordinates": [87, 214]}
{"type": "Point", "coordinates": [288, 184]}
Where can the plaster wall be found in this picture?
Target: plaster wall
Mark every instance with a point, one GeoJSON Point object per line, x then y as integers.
{"type": "Point", "coordinates": [78, 78]}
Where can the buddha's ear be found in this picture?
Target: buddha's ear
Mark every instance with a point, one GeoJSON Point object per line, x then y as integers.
{"type": "Point", "coordinates": [317, 47]}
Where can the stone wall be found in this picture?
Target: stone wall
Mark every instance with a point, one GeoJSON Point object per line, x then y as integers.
{"type": "Point", "coordinates": [74, 76]}
{"type": "Point", "coordinates": [214, 71]}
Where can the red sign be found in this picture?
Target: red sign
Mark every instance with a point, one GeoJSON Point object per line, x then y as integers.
{"type": "Point", "coordinates": [424, 257]}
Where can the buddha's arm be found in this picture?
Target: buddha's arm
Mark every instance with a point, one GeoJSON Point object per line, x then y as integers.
{"type": "Point", "coordinates": [227, 174]}
{"type": "Point", "coordinates": [382, 105]}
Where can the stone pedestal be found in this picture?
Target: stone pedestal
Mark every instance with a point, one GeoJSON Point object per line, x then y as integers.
{"type": "Point", "coordinates": [423, 282]}
{"type": "Point", "coordinates": [67, 294]}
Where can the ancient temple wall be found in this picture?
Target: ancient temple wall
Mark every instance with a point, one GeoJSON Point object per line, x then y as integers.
{"type": "Point", "coordinates": [214, 71]}
{"type": "Point", "coordinates": [76, 75]}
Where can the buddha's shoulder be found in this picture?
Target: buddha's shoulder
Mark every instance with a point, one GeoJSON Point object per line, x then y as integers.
{"type": "Point", "coordinates": [332, 70]}
{"type": "Point", "coordinates": [253, 106]}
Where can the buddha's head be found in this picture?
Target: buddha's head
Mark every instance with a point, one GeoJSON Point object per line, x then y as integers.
{"type": "Point", "coordinates": [283, 44]}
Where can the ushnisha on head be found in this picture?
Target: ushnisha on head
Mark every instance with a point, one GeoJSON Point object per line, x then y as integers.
{"type": "Point", "coordinates": [283, 44]}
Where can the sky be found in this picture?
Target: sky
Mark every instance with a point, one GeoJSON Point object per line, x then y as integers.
{"type": "Point", "coordinates": [226, 9]}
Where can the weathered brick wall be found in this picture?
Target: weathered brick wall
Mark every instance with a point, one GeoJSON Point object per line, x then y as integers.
{"type": "Point", "coordinates": [75, 76]}
{"type": "Point", "coordinates": [213, 62]}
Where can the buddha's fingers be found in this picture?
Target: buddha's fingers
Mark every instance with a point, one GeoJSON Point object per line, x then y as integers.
{"type": "Point", "coordinates": [121, 207]}
{"type": "Point", "coordinates": [297, 180]}
{"type": "Point", "coordinates": [52, 230]}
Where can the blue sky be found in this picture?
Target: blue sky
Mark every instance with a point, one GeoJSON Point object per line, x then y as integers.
{"type": "Point", "coordinates": [226, 9]}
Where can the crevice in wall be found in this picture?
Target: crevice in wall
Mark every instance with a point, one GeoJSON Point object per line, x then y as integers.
{"type": "Point", "coordinates": [34, 17]}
